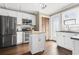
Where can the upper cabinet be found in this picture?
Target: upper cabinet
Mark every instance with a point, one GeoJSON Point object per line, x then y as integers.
{"type": "Point", "coordinates": [33, 18]}
{"type": "Point", "coordinates": [29, 17]}
{"type": "Point", "coordinates": [12, 13]}
{"type": "Point", "coordinates": [19, 18]}
{"type": "Point", "coordinates": [3, 12]}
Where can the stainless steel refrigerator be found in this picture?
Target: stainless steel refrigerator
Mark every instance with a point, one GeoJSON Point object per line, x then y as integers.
{"type": "Point", "coordinates": [7, 31]}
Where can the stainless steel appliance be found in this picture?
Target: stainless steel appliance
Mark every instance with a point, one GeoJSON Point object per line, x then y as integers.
{"type": "Point", "coordinates": [26, 33]}
{"type": "Point", "coordinates": [7, 31]}
{"type": "Point", "coordinates": [27, 22]}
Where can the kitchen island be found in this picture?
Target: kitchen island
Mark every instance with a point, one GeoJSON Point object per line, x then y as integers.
{"type": "Point", "coordinates": [37, 42]}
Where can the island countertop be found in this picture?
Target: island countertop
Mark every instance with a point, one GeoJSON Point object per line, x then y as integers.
{"type": "Point", "coordinates": [37, 32]}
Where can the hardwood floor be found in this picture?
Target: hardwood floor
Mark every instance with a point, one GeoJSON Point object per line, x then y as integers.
{"type": "Point", "coordinates": [23, 49]}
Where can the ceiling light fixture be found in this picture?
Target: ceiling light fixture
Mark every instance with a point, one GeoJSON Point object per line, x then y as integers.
{"type": "Point", "coordinates": [43, 5]}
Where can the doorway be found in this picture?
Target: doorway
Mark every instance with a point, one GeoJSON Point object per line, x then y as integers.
{"type": "Point", "coordinates": [45, 26]}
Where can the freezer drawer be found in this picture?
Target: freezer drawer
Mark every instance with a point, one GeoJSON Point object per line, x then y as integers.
{"type": "Point", "coordinates": [7, 40]}
{"type": "Point", "coordinates": [14, 41]}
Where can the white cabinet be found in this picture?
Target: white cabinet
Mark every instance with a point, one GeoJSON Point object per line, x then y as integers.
{"type": "Point", "coordinates": [37, 43]}
{"type": "Point", "coordinates": [24, 15]}
{"type": "Point", "coordinates": [75, 44]}
{"type": "Point", "coordinates": [12, 13]}
{"type": "Point", "coordinates": [30, 17]}
{"type": "Point", "coordinates": [3, 12]}
{"type": "Point", "coordinates": [59, 39]}
{"type": "Point", "coordinates": [76, 47]}
{"type": "Point", "coordinates": [19, 18]}
{"type": "Point", "coordinates": [64, 40]}
{"type": "Point", "coordinates": [19, 37]}
{"type": "Point", "coordinates": [33, 20]}
{"type": "Point", "coordinates": [42, 41]}
{"type": "Point", "coordinates": [68, 41]}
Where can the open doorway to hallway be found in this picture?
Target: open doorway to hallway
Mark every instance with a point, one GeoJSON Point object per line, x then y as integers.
{"type": "Point", "coordinates": [45, 26]}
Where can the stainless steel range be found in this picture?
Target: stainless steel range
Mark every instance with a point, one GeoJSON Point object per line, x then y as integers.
{"type": "Point", "coordinates": [26, 33]}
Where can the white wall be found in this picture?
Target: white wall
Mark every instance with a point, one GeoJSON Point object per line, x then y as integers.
{"type": "Point", "coordinates": [72, 14]}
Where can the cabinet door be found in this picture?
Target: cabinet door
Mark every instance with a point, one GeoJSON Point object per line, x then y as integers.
{"type": "Point", "coordinates": [76, 47]}
{"type": "Point", "coordinates": [33, 20]}
{"type": "Point", "coordinates": [41, 41]}
{"type": "Point", "coordinates": [35, 44]}
{"type": "Point", "coordinates": [68, 41]}
{"type": "Point", "coordinates": [60, 39]}
{"type": "Point", "coordinates": [19, 37]}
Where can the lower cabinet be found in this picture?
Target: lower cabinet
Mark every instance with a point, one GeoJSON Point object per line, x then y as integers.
{"type": "Point", "coordinates": [19, 37]}
{"type": "Point", "coordinates": [68, 41]}
{"type": "Point", "coordinates": [64, 40]}
{"type": "Point", "coordinates": [36, 43]}
{"type": "Point", "coordinates": [59, 39]}
{"type": "Point", "coordinates": [76, 47]}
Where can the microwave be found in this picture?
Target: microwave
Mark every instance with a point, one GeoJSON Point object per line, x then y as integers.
{"type": "Point", "coordinates": [27, 22]}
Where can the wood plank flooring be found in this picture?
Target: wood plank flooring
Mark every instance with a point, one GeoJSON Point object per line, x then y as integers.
{"type": "Point", "coordinates": [23, 49]}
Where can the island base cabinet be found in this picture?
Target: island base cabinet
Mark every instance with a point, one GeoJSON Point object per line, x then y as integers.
{"type": "Point", "coordinates": [36, 43]}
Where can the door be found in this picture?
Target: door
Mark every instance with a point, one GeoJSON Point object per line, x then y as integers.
{"type": "Point", "coordinates": [45, 26]}
{"type": "Point", "coordinates": [56, 25]}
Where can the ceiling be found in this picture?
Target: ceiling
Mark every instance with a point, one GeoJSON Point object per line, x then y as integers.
{"type": "Point", "coordinates": [35, 7]}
